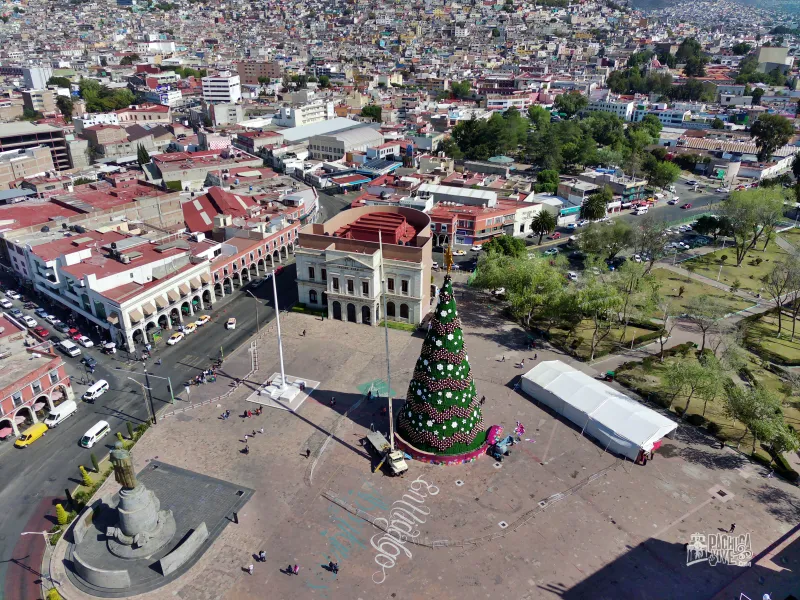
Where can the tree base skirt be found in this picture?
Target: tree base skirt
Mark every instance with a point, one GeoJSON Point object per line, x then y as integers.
{"type": "Point", "coordinates": [443, 459]}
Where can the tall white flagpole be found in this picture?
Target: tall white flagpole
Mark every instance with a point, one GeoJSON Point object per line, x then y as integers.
{"type": "Point", "coordinates": [278, 321]}
{"type": "Point", "coordinates": [386, 333]}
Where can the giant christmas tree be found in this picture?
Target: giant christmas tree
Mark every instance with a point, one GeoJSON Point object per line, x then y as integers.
{"type": "Point", "coordinates": [442, 414]}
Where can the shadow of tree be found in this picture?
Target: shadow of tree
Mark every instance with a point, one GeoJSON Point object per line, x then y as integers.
{"type": "Point", "coordinates": [778, 503]}
{"type": "Point", "coordinates": [711, 459]}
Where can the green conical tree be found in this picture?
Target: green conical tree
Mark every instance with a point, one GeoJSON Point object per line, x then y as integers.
{"type": "Point", "coordinates": [442, 414]}
{"type": "Point", "coordinates": [61, 515]}
{"type": "Point", "coordinates": [142, 155]}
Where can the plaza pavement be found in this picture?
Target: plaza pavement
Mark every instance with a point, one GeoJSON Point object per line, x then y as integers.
{"type": "Point", "coordinates": [608, 529]}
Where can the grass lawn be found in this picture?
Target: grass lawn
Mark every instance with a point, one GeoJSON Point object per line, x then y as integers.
{"type": "Point", "coordinates": [764, 333]}
{"type": "Point", "coordinates": [748, 273]}
{"type": "Point", "coordinates": [580, 342]}
{"type": "Point", "coordinates": [671, 283]}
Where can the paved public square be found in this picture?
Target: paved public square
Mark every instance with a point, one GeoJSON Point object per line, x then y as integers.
{"type": "Point", "coordinates": [558, 518]}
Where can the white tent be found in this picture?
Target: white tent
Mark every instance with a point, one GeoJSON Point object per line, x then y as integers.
{"type": "Point", "coordinates": [618, 423]}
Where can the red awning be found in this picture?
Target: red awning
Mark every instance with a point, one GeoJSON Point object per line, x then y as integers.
{"type": "Point", "coordinates": [38, 406]}
{"type": "Point", "coordinates": [5, 432]}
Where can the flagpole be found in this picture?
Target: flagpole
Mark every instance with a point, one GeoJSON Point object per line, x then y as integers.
{"type": "Point", "coordinates": [278, 321]}
{"type": "Point", "coordinates": [386, 335]}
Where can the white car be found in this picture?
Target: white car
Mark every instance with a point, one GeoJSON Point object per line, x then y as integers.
{"type": "Point", "coordinates": [202, 320]}
{"type": "Point", "coordinates": [722, 190]}
{"type": "Point", "coordinates": [583, 223]}
{"type": "Point", "coordinates": [499, 292]}
{"type": "Point", "coordinates": [85, 342]}
{"type": "Point", "coordinates": [174, 338]}
{"type": "Point", "coordinates": [231, 323]}
{"type": "Point", "coordinates": [637, 258]}
{"type": "Point", "coordinates": [190, 328]}
{"type": "Point", "coordinates": [52, 319]}
{"type": "Point", "coordinates": [572, 275]}
{"type": "Point", "coordinates": [29, 321]}
{"type": "Point", "coordinates": [684, 245]}
{"type": "Point", "coordinates": [13, 295]}
{"type": "Point", "coordinates": [435, 266]}
{"type": "Point", "coordinates": [476, 248]}
{"type": "Point", "coordinates": [6, 303]}
{"type": "Point", "coordinates": [673, 201]}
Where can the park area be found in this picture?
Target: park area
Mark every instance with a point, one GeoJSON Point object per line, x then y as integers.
{"type": "Point", "coordinates": [720, 265]}
{"type": "Point", "coordinates": [578, 342]}
{"type": "Point", "coordinates": [680, 290]}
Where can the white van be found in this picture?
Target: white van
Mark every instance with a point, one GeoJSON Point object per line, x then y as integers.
{"type": "Point", "coordinates": [642, 210]}
{"type": "Point", "coordinates": [69, 348]}
{"type": "Point", "coordinates": [61, 412]}
{"type": "Point", "coordinates": [98, 388]}
{"type": "Point", "coordinates": [95, 433]}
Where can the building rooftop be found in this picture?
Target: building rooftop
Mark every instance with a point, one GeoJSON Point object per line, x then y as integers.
{"type": "Point", "coordinates": [24, 127]}
{"type": "Point", "coordinates": [331, 126]}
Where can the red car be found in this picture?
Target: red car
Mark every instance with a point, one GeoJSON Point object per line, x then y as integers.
{"type": "Point", "coordinates": [687, 205]}
{"type": "Point", "coordinates": [278, 270]}
{"type": "Point", "coordinates": [41, 332]}
{"type": "Point", "coordinates": [554, 236]}
{"type": "Point", "coordinates": [75, 336]}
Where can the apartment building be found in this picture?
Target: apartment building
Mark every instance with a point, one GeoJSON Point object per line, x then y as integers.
{"type": "Point", "coordinates": [43, 101]}
{"type": "Point", "coordinates": [339, 262]}
{"type": "Point", "coordinates": [304, 114]}
{"type": "Point", "coordinates": [251, 71]}
{"type": "Point", "coordinates": [222, 87]}
{"type": "Point", "coordinates": [144, 113]}
{"type": "Point", "coordinates": [17, 164]}
{"type": "Point", "coordinates": [36, 78]}
{"type": "Point", "coordinates": [23, 135]}
{"type": "Point", "coordinates": [621, 107]}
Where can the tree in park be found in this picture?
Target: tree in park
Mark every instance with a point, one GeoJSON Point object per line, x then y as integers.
{"type": "Point", "coordinates": [779, 283]}
{"type": "Point", "coordinates": [648, 240]}
{"type": "Point", "coordinates": [607, 240]}
{"type": "Point", "coordinates": [756, 408]}
{"type": "Point", "coordinates": [668, 313]}
{"type": "Point", "coordinates": [709, 225]}
{"type": "Point", "coordinates": [770, 133]}
{"type": "Point", "coordinates": [749, 214]}
{"type": "Point", "coordinates": [793, 299]}
{"type": "Point", "coordinates": [630, 280]}
{"type": "Point", "coordinates": [543, 223]}
{"type": "Point", "coordinates": [65, 106]}
{"type": "Point", "coordinates": [507, 245]}
{"type": "Point", "coordinates": [687, 377]}
{"type": "Point", "coordinates": [546, 181]}
{"type": "Point", "coordinates": [571, 103]}
{"type": "Point", "coordinates": [706, 312]}
{"type": "Point", "coordinates": [599, 302]}
{"type": "Point", "coordinates": [596, 205]}
{"type": "Point", "coordinates": [142, 156]}
{"type": "Point", "coordinates": [442, 414]}
{"type": "Point", "coordinates": [539, 116]}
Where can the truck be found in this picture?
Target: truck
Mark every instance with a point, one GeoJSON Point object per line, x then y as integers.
{"type": "Point", "coordinates": [378, 445]}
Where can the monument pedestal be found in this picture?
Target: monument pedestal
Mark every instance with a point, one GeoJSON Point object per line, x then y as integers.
{"type": "Point", "coordinates": [142, 528]}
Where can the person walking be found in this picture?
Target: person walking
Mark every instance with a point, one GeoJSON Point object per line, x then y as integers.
{"type": "Point", "coordinates": [262, 556]}
{"type": "Point", "coordinates": [308, 452]}
{"type": "Point", "coordinates": [296, 570]}
{"type": "Point", "coordinates": [733, 526]}
{"type": "Point", "coordinates": [535, 356]}
{"type": "Point", "coordinates": [250, 569]}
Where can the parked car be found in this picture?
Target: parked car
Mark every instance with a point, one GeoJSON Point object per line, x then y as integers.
{"type": "Point", "coordinates": [572, 226]}
{"type": "Point", "coordinates": [554, 236]}
{"type": "Point", "coordinates": [435, 266]}
{"type": "Point", "coordinates": [13, 295]}
{"type": "Point", "coordinates": [40, 312]}
{"type": "Point", "coordinates": [61, 327]}
{"type": "Point", "coordinates": [89, 362]}
{"type": "Point", "coordinates": [76, 336]}
{"type": "Point", "coordinates": [41, 332]}
{"type": "Point", "coordinates": [29, 321]}
{"type": "Point", "coordinates": [52, 319]}
{"type": "Point", "coordinates": [637, 258]}
{"type": "Point", "coordinates": [231, 323]}
{"type": "Point", "coordinates": [583, 222]}
{"type": "Point", "coordinates": [572, 275]}
{"type": "Point", "coordinates": [499, 292]}
{"type": "Point", "coordinates": [475, 249]}
{"type": "Point", "coordinates": [673, 201]}
{"type": "Point", "coordinates": [174, 338]}
{"type": "Point", "coordinates": [687, 205]}
{"type": "Point", "coordinates": [551, 252]}
{"type": "Point", "coordinates": [190, 328]}
{"type": "Point", "coordinates": [459, 252]}
{"type": "Point", "coordinates": [85, 341]}
{"type": "Point", "coordinates": [202, 320]}
{"type": "Point", "coordinates": [16, 313]}
{"type": "Point", "coordinates": [6, 303]}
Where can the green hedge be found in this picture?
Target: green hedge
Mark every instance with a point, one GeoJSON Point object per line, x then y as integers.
{"type": "Point", "coordinates": [399, 326]}
{"type": "Point", "coordinates": [299, 307]}
{"type": "Point", "coordinates": [783, 468]}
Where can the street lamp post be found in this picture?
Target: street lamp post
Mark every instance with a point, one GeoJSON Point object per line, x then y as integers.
{"type": "Point", "coordinates": [258, 327]}
{"type": "Point", "coordinates": [45, 535]}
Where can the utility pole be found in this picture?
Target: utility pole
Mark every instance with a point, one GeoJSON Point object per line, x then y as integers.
{"type": "Point", "coordinates": [150, 395]}
{"type": "Point", "coordinates": [144, 396]}
{"type": "Point", "coordinates": [386, 335]}
{"type": "Point", "coordinates": [258, 327]}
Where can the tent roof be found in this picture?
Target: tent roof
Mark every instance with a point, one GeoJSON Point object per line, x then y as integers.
{"type": "Point", "coordinates": [615, 411]}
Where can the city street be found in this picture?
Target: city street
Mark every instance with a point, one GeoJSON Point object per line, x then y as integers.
{"type": "Point", "coordinates": [50, 465]}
